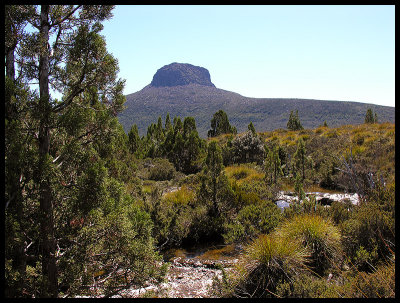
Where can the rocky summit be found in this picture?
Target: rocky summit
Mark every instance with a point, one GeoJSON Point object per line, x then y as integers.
{"type": "Point", "coordinates": [176, 74]}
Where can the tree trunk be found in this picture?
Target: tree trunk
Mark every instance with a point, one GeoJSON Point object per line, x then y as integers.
{"type": "Point", "coordinates": [49, 268]}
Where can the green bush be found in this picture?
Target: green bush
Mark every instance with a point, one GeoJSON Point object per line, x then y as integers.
{"type": "Point", "coordinates": [378, 284]}
{"type": "Point", "coordinates": [161, 170]}
{"type": "Point", "coordinates": [372, 227]}
{"type": "Point", "coordinates": [251, 221]}
{"type": "Point", "coordinates": [307, 286]}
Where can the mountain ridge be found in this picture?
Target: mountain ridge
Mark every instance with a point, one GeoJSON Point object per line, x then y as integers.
{"type": "Point", "coordinates": [202, 101]}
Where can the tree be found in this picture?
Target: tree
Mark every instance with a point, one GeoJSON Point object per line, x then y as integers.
{"type": "Point", "coordinates": [370, 117]}
{"type": "Point", "coordinates": [251, 128]}
{"type": "Point", "coordinates": [134, 139]}
{"type": "Point", "coordinates": [71, 133]}
{"type": "Point", "coordinates": [214, 168]}
{"type": "Point", "coordinates": [300, 158]}
{"type": "Point", "coordinates": [294, 121]}
{"type": "Point", "coordinates": [20, 150]}
{"type": "Point", "coordinates": [220, 125]}
{"type": "Point", "coordinates": [168, 124]}
{"type": "Point", "coordinates": [273, 165]}
{"type": "Point", "coordinates": [193, 146]}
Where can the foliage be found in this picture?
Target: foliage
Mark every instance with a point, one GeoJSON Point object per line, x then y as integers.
{"type": "Point", "coordinates": [173, 215]}
{"type": "Point", "coordinates": [267, 262]}
{"type": "Point", "coordinates": [161, 170]}
{"type": "Point", "coordinates": [134, 139]}
{"type": "Point", "coordinates": [251, 221]}
{"type": "Point", "coordinates": [378, 284]}
{"type": "Point", "coordinates": [308, 286]}
{"type": "Point", "coordinates": [252, 128]}
{"type": "Point", "coordinates": [272, 165]}
{"type": "Point", "coordinates": [370, 117]}
{"type": "Point", "coordinates": [318, 235]}
{"type": "Point", "coordinates": [72, 162]}
{"type": "Point", "coordinates": [247, 148]}
{"type": "Point", "coordinates": [369, 233]}
{"type": "Point", "coordinates": [294, 121]}
{"type": "Point", "coordinates": [220, 125]}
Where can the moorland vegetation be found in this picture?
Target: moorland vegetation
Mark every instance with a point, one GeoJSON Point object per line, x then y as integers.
{"type": "Point", "coordinates": [90, 209]}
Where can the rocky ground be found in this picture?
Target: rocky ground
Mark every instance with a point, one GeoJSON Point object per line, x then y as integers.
{"type": "Point", "coordinates": [186, 278]}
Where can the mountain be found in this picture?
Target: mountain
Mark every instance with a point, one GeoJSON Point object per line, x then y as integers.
{"type": "Point", "coordinates": [186, 90]}
{"type": "Point", "coordinates": [176, 74]}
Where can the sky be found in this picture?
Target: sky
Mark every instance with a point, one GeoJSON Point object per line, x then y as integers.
{"type": "Point", "coordinates": [344, 53]}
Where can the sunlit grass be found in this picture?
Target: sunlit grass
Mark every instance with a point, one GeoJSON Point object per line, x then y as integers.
{"type": "Point", "coordinates": [320, 236]}
{"type": "Point", "coordinates": [181, 196]}
{"type": "Point", "coordinates": [265, 263]}
{"type": "Point", "coordinates": [243, 173]}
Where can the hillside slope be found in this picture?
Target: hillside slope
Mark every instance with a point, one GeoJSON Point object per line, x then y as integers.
{"type": "Point", "coordinates": [201, 101]}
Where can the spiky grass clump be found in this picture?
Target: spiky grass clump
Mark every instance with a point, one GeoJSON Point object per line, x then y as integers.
{"type": "Point", "coordinates": [243, 174]}
{"type": "Point", "coordinates": [268, 261]}
{"type": "Point", "coordinates": [318, 235]}
{"type": "Point", "coordinates": [182, 196]}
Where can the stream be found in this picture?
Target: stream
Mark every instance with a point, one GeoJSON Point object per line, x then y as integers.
{"type": "Point", "coordinates": [193, 270]}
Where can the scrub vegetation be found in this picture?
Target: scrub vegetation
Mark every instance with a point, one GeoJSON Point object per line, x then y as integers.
{"type": "Point", "coordinates": [90, 210]}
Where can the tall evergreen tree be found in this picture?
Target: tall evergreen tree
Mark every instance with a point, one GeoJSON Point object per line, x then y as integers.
{"type": "Point", "coordinates": [220, 125]}
{"type": "Point", "coordinates": [133, 139]}
{"type": "Point", "coordinates": [273, 165]}
{"type": "Point", "coordinates": [251, 128]}
{"type": "Point", "coordinates": [72, 135]}
{"type": "Point", "coordinates": [294, 121]}
{"type": "Point", "coordinates": [168, 124]}
{"type": "Point", "coordinates": [370, 117]}
{"type": "Point", "coordinates": [300, 158]}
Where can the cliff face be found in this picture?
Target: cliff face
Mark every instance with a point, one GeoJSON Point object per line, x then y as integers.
{"type": "Point", "coordinates": [177, 74]}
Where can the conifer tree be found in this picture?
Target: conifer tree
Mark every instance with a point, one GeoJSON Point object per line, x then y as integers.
{"type": "Point", "coordinates": [273, 165]}
{"type": "Point", "coordinates": [220, 125]}
{"type": "Point", "coordinates": [370, 117]}
{"type": "Point", "coordinates": [70, 143]}
{"type": "Point", "coordinates": [214, 168]}
{"type": "Point", "coordinates": [168, 124]}
{"type": "Point", "coordinates": [300, 158]}
{"type": "Point", "coordinates": [294, 121]}
{"type": "Point", "coordinates": [133, 139]}
{"type": "Point", "coordinates": [251, 128]}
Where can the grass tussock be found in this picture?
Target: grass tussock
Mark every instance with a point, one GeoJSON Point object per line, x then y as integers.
{"type": "Point", "coordinates": [243, 173]}
{"type": "Point", "coordinates": [267, 261]}
{"type": "Point", "coordinates": [182, 196]}
{"type": "Point", "coordinates": [320, 236]}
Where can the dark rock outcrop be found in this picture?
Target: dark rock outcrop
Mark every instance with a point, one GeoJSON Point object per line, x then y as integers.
{"type": "Point", "coordinates": [176, 74]}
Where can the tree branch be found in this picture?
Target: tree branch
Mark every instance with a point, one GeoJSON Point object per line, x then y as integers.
{"type": "Point", "coordinates": [66, 17]}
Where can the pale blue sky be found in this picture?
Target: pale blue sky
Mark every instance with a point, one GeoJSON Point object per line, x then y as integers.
{"type": "Point", "coordinates": [342, 53]}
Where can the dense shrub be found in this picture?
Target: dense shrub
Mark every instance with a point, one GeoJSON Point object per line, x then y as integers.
{"type": "Point", "coordinates": [247, 148]}
{"type": "Point", "coordinates": [307, 286]}
{"type": "Point", "coordinates": [378, 284]}
{"type": "Point", "coordinates": [371, 226]}
{"type": "Point", "coordinates": [251, 221]}
{"type": "Point", "coordinates": [161, 170]}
